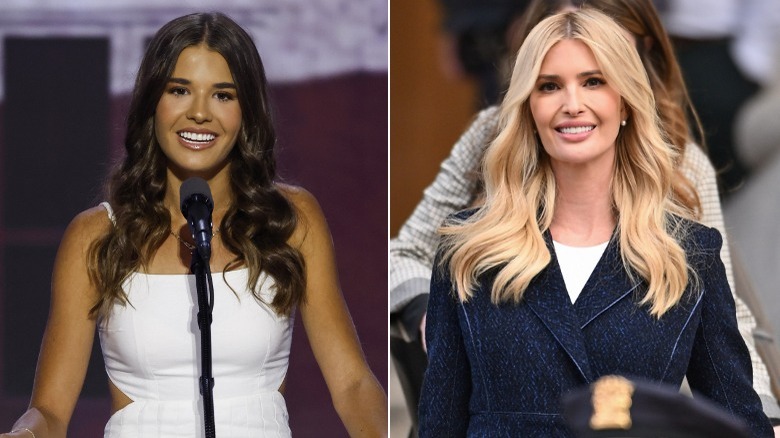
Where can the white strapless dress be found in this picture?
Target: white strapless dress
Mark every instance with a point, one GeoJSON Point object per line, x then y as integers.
{"type": "Point", "coordinates": [151, 349]}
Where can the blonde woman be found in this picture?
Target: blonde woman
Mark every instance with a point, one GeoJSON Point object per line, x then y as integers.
{"type": "Point", "coordinates": [581, 262]}
{"type": "Point", "coordinates": [457, 184]}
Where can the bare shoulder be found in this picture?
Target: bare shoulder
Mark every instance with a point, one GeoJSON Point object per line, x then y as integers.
{"type": "Point", "coordinates": [72, 290]}
{"type": "Point", "coordinates": [92, 222]}
{"type": "Point", "coordinates": [300, 198]}
{"type": "Point", "coordinates": [311, 220]}
{"type": "Point", "coordinates": [86, 227]}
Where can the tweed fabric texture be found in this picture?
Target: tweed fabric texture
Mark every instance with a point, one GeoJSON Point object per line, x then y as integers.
{"type": "Point", "coordinates": [454, 188]}
{"type": "Point", "coordinates": [500, 370]}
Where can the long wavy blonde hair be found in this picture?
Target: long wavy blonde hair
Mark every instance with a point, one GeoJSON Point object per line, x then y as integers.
{"type": "Point", "coordinates": [520, 190]}
{"type": "Point", "coordinates": [678, 117]}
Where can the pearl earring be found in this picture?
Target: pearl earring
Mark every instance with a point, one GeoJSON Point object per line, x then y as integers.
{"type": "Point", "coordinates": [622, 123]}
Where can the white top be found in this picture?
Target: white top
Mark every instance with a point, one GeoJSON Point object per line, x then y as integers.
{"type": "Point", "coordinates": [151, 348]}
{"type": "Point", "coordinates": [577, 263]}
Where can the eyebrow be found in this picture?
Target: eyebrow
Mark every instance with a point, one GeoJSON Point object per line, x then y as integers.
{"type": "Point", "coordinates": [219, 85]}
{"type": "Point", "coordinates": [579, 75]}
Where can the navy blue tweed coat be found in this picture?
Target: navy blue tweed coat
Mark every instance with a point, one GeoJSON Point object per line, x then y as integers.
{"type": "Point", "coordinates": [500, 370]}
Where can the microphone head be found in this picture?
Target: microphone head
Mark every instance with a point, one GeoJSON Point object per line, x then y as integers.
{"type": "Point", "coordinates": [192, 189]}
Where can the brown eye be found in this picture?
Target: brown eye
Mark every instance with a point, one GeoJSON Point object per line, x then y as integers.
{"type": "Point", "coordinates": [224, 97]}
{"type": "Point", "coordinates": [178, 91]}
{"type": "Point", "coordinates": [594, 82]}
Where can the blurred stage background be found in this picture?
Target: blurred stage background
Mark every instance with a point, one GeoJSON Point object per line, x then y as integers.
{"type": "Point", "coordinates": [65, 76]}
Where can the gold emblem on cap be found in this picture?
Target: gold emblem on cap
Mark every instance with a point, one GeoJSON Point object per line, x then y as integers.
{"type": "Point", "coordinates": [611, 403]}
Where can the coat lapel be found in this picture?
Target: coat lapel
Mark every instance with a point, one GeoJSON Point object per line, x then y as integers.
{"type": "Point", "coordinates": [608, 284]}
{"type": "Point", "coordinates": [548, 299]}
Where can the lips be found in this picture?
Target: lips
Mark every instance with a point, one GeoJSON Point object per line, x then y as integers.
{"type": "Point", "coordinates": [196, 139]}
{"type": "Point", "coordinates": [575, 132]}
{"type": "Point", "coordinates": [575, 129]}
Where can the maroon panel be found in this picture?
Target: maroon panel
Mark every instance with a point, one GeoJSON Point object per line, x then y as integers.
{"type": "Point", "coordinates": [333, 140]}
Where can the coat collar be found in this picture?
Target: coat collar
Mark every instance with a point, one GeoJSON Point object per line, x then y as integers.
{"type": "Point", "coordinates": [608, 284]}
{"type": "Point", "coordinates": [548, 299]}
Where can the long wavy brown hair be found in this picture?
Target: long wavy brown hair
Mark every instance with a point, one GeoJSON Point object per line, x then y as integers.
{"type": "Point", "coordinates": [679, 119]}
{"type": "Point", "coordinates": [261, 219]}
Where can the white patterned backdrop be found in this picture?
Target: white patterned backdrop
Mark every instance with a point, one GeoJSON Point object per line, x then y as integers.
{"type": "Point", "coordinates": [297, 39]}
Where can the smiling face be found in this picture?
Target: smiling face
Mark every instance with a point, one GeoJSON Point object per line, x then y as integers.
{"type": "Point", "coordinates": [576, 112]}
{"type": "Point", "coordinates": [198, 117]}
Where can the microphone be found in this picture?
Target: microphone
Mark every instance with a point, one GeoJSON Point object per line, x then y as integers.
{"type": "Point", "coordinates": [196, 206]}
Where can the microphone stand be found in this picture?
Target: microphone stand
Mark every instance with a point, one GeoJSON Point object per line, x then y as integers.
{"type": "Point", "coordinates": [205, 287]}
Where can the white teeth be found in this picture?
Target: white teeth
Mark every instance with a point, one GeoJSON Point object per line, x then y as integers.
{"type": "Point", "coordinates": [192, 136]}
{"type": "Point", "coordinates": [576, 129]}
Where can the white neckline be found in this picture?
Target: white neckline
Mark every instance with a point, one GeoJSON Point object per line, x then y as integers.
{"type": "Point", "coordinates": [218, 273]}
{"type": "Point", "coordinates": [581, 248]}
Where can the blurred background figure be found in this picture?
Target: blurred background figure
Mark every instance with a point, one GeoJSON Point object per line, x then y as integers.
{"type": "Point", "coordinates": [474, 43]}
{"type": "Point", "coordinates": [729, 51]}
{"type": "Point", "coordinates": [726, 50]}
{"type": "Point", "coordinates": [752, 212]}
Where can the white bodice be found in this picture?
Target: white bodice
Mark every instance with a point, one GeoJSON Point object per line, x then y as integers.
{"type": "Point", "coordinates": [151, 348]}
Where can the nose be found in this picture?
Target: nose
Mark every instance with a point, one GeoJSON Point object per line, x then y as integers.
{"type": "Point", "coordinates": [199, 110]}
{"type": "Point", "coordinates": [573, 104]}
